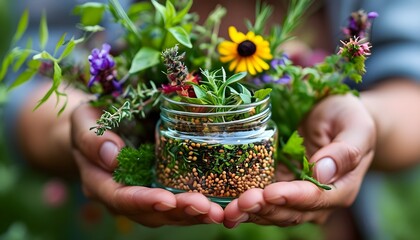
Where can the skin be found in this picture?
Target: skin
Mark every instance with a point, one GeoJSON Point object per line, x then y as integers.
{"type": "Point", "coordinates": [339, 128]}
{"type": "Point", "coordinates": [377, 130]}
{"type": "Point", "coordinates": [79, 153]}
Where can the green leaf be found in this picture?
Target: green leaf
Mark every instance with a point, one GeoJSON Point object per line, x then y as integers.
{"type": "Point", "coordinates": [60, 43]}
{"type": "Point", "coordinates": [8, 59]}
{"type": "Point", "coordinates": [181, 36]}
{"type": "Point", "coordinates": [68, 49]}
{"type": "Point", "coordinates": [200, 93]}
{"type": "Point", "coordinates": [23, 56]}
{"type": "Point", "coordinates": [235, 78]}
{"type": "Point", "coordinates": [23, 78]}
{"type": "Point", "coordinates": [181, 14]}
{"type": "Point", "coordinates": [59, 96]}
{"type": "Point", "coordinates": [245, 98]}
{"type": "Point", "coordinates": [232, 79]}
{"type": "Point", "coordinates": [56, 83]}
{"type": "Point", "coordinates": [44, 55]}
{"type": "Point", "coordinates": [161, 9]}
{"type": "Point", "coordinates": [57, 75]}
{"type": "Point", "coordinates": [136, 8]}
{"type": "Point", "coordinates": [262, 93]}
{"type": "Point", "coordinates": [43, 31]}
{"type": "Point", "coordinates": [45, 97]}
{"type": "Point", "coordinates": [294, 145]}
{"type": "Point", "coordinates": [135, 166]}
{"type": "Point", "coordinates": [146, 57]}
{"type": "Point", "coordinates": [170, 13]}
{"type": "Point", "coordinates": [118, 10]}
{"type": "Point", "coordinates": [22, 25]}
{"type": "Point", "coordinates": [91, 13]}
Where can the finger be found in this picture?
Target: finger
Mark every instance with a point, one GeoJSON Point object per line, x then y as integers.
{"type": "Point", "coordinates": [354, 139]}
{"type": "Point", "coordinates": [194, 204]}
{"type": "Point", "coordinates": [251, 207]}
{"type": "Point", "coordinates": [279, 215]}
{"type": "Point", "coordinates": [215, 215]}
{"type": "Point", "coordinates": [124, 199]}
{"type": "Point", "coordinates": [233, 215]}
{"type": "Point", "coordinates": [200, 207]}
{"type": "Point", "coordinates": [239, 210]}
{"type": "Point", "coordinates": [334, 160]}
{"type": "Point", "coordinates": [302, 195]}
{"type": "Point", "coordinates": [101, 150]}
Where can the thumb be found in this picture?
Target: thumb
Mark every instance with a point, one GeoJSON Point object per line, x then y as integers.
{"type": "Point", "coordinates": [335, 160]}
{"type": "Point", "coordinates": [100, 150]}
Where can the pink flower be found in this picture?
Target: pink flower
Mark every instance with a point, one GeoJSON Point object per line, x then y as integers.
{"type": "Point", "coordinates": [355, 47]}
{"type": "Point", "coordinates": [55, 193]}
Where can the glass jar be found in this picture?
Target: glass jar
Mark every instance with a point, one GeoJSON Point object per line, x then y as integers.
{"type": "Point", "coordinates": [220, 151]}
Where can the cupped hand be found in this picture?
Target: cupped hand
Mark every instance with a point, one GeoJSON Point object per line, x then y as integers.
{"type": "Point", "coordinates": [340, 137]}
{"type": "Point", "coordinates": [153, 207]}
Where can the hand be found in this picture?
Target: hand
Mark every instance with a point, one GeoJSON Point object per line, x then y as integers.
{"type": "Point", "coordinates": [153, 207]}
{"type": "Point", "coordinates": [340, 137]}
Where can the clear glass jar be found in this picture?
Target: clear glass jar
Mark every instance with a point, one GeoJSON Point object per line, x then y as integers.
{"type": "Point", "coordinates": [220, 151]}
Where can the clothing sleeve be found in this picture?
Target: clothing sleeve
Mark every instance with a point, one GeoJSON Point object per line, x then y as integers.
{"type": "Point", "coordinates": [394, 37]}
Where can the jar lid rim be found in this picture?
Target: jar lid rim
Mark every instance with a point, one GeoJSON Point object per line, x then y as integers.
{"type": "Point", "coordinates": [253, 104]}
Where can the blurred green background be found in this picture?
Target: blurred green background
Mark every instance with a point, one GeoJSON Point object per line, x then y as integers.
{"type": "Point", "coordinates": [34, 205]}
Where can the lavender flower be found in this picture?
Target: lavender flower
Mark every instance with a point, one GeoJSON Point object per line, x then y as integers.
{"type": "Point", "coordinates": [359, 24]}
{"type": "Point", "coordinates": [103, 72]}
{"type": "Point", "coordinates": [274, 78]}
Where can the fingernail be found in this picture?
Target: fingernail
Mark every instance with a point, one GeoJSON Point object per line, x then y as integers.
{"type": "Point", "coordinates": [163, 206]}
{"type": "Point", "coordinates": [244, 217]}
{"type": "Point", "coordinates": [108, 153]}
{"type": "Point", "coordinates": [210, 220]}
{"type": "Point", "coordinates": [253, 209]}
{"type": "Point", "coordinates": [190, 210]}
{"type": "Point", "coordinates": [325, 170]}
{"type": "Point", "coordinates": [279, 201]}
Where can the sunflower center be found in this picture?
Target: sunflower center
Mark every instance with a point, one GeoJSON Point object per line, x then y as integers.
{"type": "Point", "coordinates": [246, 48]}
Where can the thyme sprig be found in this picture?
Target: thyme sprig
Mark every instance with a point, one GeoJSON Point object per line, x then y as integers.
{"type": "Point", "coordinates": [137, 102]}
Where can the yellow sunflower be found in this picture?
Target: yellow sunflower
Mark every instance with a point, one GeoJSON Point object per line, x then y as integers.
{"type": "Point", "coordinates": [245, 52]}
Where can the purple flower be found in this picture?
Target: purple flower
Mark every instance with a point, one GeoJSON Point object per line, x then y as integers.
{"type": "Point", "coordinates": [372, 15]}
{"type": "Point", "coordinates": [267, 78]}
{"type": "Point", "coordinates": [359, 24]}
{"type": "Point", "coordinates": [102, 71]}
{"type": "Point", "coordinates": [285, 79]}
{"type": "Point", "coordinates": [279, 61]}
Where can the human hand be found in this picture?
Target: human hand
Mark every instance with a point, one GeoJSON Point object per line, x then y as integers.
{"type": "Point", "coordinates": [340, 137]}
{"type": "Point", "coordinates": [153, 207]}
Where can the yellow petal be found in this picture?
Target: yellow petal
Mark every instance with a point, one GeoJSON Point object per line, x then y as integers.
{"type": "Point", "coordinates": [227, 48]}
{"type": "Point", "coordinates": [255, 63]}
{"type": "Point", "coordinates": [250, 36]}
{"type": "Point", "coordinates": [249, 66]}
{"type": "Point", "coordinates": [264, 54]}
{"type": "Point", "coordinates": [236, 36]}
{"type": "Point", "coordinates": [241, 65]}
{"type": "Point", "coordinates": [258, 40]}
{"type": "Point", "coordinates": [261, 63]}
{"type": "Point", "coordinates": [233, 64]}
{"type": "Point", "coordinates": [227, 58]}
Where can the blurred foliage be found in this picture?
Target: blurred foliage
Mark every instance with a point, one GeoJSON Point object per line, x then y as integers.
{"type": "Point", "coordinates": [6, 29]}
{"type": "Point", "coordinates": [399, 206]}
